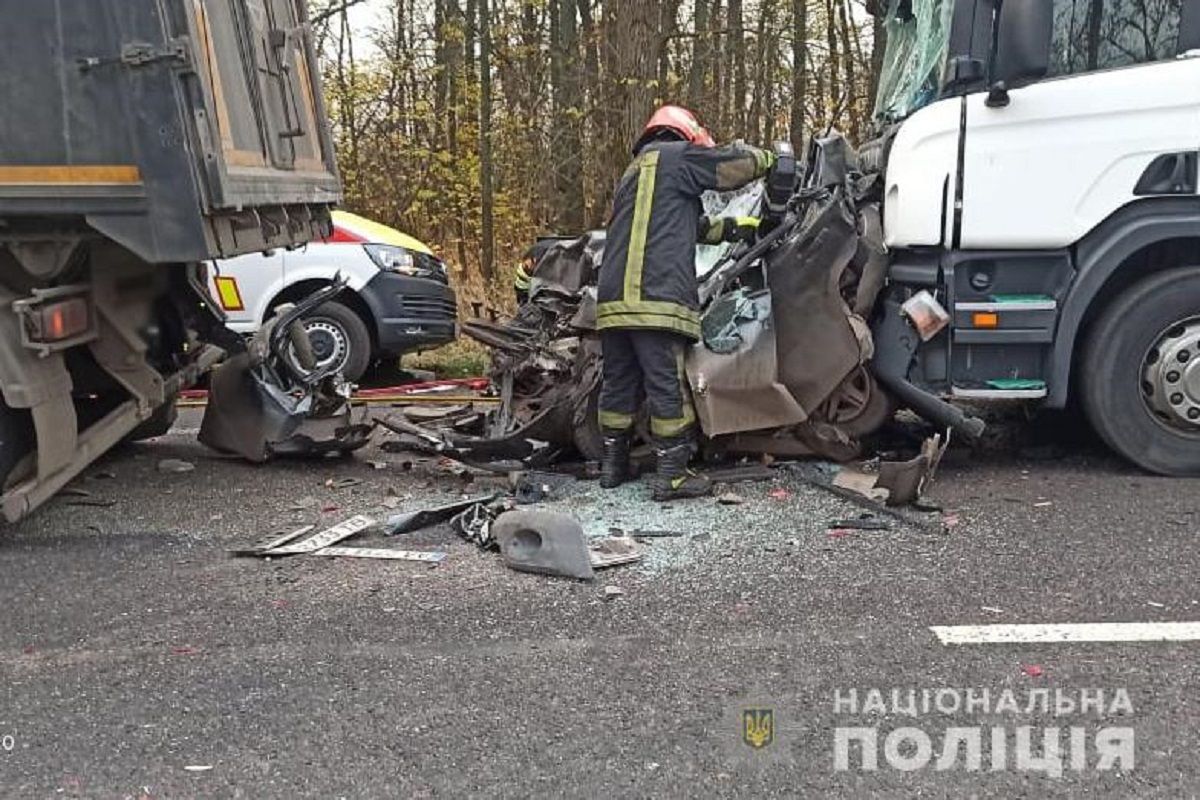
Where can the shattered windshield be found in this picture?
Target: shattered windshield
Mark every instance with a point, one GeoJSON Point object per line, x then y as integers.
{"type": "Point", "coordinates": [918, 41]}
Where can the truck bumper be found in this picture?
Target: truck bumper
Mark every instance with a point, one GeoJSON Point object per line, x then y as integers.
{"type": "Point", "coordinates": [410, 313]}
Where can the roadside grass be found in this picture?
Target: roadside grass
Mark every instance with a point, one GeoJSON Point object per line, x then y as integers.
{"type": "Point", "coordinates": [462, 358]}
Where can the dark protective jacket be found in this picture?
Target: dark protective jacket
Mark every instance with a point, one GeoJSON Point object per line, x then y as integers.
{"type": "Point", "coordinates": [648, 276]}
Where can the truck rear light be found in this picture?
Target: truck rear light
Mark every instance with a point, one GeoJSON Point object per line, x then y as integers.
{"type": "Point", "coordinates": [54, 319]}
{"type": "Point", "coordinates": [985, 319]}
{"type": "Point", "coordinates": [59, 321]}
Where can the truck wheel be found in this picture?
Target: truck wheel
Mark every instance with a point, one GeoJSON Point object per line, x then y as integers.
{"type": "Point", "coordinates": [16, 439]}
{"type": "Point", "coordinates": [339, 336]}
{"type": "Point", "coordinates": [1141, 373]}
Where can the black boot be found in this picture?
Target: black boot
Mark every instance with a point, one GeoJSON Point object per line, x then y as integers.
{"type": "Point", "coordinates": [674, 480]}
{"type": "Point", "coordinates": [614, 469]}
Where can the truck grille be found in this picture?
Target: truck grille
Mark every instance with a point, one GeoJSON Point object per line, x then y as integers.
{"type": "Point", "coordinates": [418, 307]}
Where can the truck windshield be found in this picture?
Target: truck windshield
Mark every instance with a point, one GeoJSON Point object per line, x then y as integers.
{"type": "Point", "coordinates": [918, 40]}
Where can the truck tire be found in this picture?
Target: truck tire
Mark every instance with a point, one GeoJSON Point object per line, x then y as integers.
{"type": "Point", "coordinates": [1140, 373]}
{"type": "Point", "coordinates": [338, 334]}
{"type": "Point", "coordinates": [16, 439]}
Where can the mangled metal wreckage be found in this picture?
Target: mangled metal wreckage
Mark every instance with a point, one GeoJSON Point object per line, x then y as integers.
{"type": "Point", "coordinates": [788, 363]}
{"type": "Point", "coordinates": [270, 399]}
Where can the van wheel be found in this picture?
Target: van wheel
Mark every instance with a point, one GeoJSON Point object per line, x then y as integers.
{"type": "Point", "coordinates": [340, 337]}
{"type": "Point", "coordinates": [1141, 373]}
{"type": "Point", "coordinates": [16, 439]}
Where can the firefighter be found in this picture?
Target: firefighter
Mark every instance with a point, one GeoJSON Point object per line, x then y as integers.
{"type": "Point", "coordinates": [524, 271]}
{"type": "Point", "coordinates": [648, 309]}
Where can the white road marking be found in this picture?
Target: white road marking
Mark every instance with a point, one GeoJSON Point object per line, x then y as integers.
{"type": "Point", "coordinates": [1083, 632]}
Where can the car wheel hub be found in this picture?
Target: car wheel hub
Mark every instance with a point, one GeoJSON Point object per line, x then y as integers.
{"type": "Point", "coordinates": [330, 343]}
{"type": "Point", "coordinates": [1171, 376]}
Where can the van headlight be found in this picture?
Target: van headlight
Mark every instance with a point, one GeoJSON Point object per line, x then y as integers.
{"type": "Point", "coordinates": [392, 259]}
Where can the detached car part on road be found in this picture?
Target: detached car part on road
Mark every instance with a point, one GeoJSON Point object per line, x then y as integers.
{"type": "Point", "coordinates": [397, 298]}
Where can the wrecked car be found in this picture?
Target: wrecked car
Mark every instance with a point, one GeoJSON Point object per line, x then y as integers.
{"type": "Point", "coordinates": [783, 366]}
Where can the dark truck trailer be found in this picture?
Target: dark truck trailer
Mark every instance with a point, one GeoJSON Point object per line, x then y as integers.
{"type": "Point", "coordinates": [138, 139]}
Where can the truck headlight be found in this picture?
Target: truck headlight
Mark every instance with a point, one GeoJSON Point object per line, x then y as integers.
{"type": "Point", "coordinates": [391, 258]}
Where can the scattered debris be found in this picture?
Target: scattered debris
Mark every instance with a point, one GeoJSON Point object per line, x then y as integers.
{"type": "Point", "coordinates": [102, 475]}
{"type": "Point", "coordinates": [613, 551]}
{"type": "Point", "coordinates": [475, 524]}
{"type": "Point", "coordinates": [198, 767]}
{"type": "Point", "coordinates": [613, 592]}
{"type": "Point", "coordinates": [730, 499]}
{"type": "Point", "coordinates": [175, 466]}
{"type": "Point", "coordinates": [639, 534]}
{"type": "Point", "coordinates": [342, 483]}
{"type": "Point", "coordinates": [1153, 604]}
{"type": "Point", "coordinates": [271, 542]}
{"type": "Point", "coordinates": [92, 502]}
{"type": "Point", "coordinates": [861, 483]}
{"type": "Point", "coordinates": [381, 553]}
{"type": "Point", "coordinates": [543, 542]}
{"type": "Point", "coordinates": [325, 538]}
{"type": "Point", "coordinates": [1043, 504]}
{"type": "Point", "coordinates": [377, 465]}
{"type": "Point", "coordinates": [536, 487]}
{"type": "Point", "coordinates": [415, 520]}
{"type": "Point", "coordinates": [991, 610]}
{"type": "Point", "coordinates": [1033, 670]}
{"type": "Point", "coordinates": [779, 494]}
{"type": "Point", "coordinates": [864, 523]}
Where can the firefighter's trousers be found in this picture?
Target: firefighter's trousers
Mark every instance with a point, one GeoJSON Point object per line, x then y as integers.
{"type": "Point", "coordinates": [646, 363]}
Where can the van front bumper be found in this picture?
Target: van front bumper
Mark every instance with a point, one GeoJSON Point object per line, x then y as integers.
{"type": "Point", "coordinates": [410, 313]}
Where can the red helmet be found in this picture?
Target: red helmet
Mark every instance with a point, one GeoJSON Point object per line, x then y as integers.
{"type": "Point", "coordinates": [679, 120]}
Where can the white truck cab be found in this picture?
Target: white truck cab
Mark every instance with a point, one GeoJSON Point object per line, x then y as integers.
{"type": "Point", "coordinates": [1039, 161]}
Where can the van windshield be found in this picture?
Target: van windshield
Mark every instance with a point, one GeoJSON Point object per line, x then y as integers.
{"type": "Point", "coordinates": [918, 41]}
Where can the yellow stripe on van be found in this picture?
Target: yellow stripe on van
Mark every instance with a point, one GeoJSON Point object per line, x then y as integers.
{"type": "Point", "coordinates": [70, 173]}
{"type": "Point", "coordinates": [377, 233]}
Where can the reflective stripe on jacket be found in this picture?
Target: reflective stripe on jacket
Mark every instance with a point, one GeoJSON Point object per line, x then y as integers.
{"type": "Point", "coordinates": [648, 277]}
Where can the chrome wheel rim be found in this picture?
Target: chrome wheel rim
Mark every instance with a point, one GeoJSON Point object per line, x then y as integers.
{"type": "Point", "coordinates": [1171, 377]}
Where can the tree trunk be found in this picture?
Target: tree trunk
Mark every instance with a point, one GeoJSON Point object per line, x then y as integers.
{"type": "Point", "coordinates": [700, 56]}
{"type": "Point", "coordinates": [737, 48]}
{"type": "Point", "coordinates": [799, 72]}
{"type": "Point", "coordinates": [486, 191]}
{"type": "Point", "coordinates": [567, 94]}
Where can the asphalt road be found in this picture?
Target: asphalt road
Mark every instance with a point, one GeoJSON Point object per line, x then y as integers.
{"type": "Point", "coordinates": [140, 660]}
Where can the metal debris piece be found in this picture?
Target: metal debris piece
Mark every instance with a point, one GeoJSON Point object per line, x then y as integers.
{"type": "Point", "coordinates": [175, 466]}
{"type": "Point", "coordinates": [861, 483]}
{"type": "Point", "coordinates": [91, 502]}
{"type": "Point", "coordinates": [865, 523]}
{"type": "Point", "coordinates": [330, 536]}
{"type": "Point", "coordinates": [270, 542]}
{"type": "Point", "coordinates": [905, 482]}
{"type": "Point", "coordinates": [382, 553]}
{"type": "Point", "coordinates": [475, 524]}
{"type": "Point", "coordinates": [730, 499]}
{"type": "Point", "coordinates": [613, 592]}
{"type": "Point", "coordinates": [543, 542]}
{"type": "Point", "coordinates": [613, 551]}
{"type": "Point", "coordinates": [409, 521]}
{"type": "Point", "coordinates": [657, 534]}
{"type": "Point", "coordinates": [342, 483]}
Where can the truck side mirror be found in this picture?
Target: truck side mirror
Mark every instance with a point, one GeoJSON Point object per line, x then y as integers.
{"type": "Point", "coordinates": [1022, 55]}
